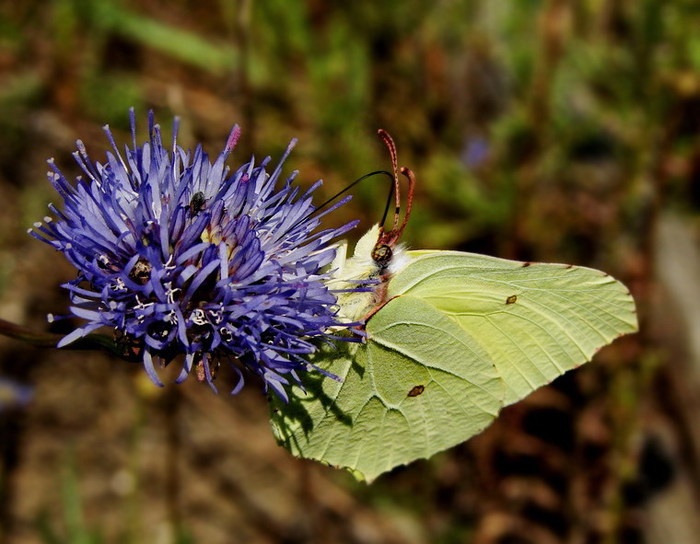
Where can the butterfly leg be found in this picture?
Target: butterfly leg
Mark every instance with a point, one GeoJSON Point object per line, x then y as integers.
{"type": "Point", "coordinates": [381, 296]}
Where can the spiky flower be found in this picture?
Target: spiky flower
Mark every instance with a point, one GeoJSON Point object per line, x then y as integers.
{"type": "Point", "coordinates": [179, 256]}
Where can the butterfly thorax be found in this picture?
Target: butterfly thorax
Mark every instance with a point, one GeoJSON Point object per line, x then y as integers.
{"type": "Point", "coordinates": [371, 267]}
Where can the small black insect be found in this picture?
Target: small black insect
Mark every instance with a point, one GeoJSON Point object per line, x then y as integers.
{"type": "Point", "coordinates": [197, 204]}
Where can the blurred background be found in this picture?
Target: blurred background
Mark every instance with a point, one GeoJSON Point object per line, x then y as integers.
{"type": "Point", "coordinates": [552, 130]}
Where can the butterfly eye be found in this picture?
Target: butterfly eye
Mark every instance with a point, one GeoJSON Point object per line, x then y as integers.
{"type": "Point", "coordinates": [381, 254]}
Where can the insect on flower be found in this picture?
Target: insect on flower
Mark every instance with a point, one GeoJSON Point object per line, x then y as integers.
{"type": "Point", "coordinates": [182, 257]}
{"type": "Point", "coordinates": [197, 203]}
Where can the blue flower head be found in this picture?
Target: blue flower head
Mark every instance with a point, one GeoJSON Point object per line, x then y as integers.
{"type": "Point", "coordinates": [181, 256]}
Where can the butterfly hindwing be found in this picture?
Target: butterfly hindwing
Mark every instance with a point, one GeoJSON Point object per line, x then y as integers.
{"type": "Point", "coordinates": [419, 385]}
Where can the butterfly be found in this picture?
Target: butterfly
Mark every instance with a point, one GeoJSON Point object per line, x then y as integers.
{"type": "Point", "coordinates": [450, 339]}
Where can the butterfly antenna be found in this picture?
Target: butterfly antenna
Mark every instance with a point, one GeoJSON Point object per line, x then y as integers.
{"type": "Point", "coordinates": [346, 189]}
{"type": "Point", "coordinates": [390, 238]}
{"type": "Point", "coordinates": [391, 146]}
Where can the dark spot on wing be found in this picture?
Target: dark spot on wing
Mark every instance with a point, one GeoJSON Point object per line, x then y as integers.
{"type": "Point", "coordinates": [417, 390]}
{"type": "Point", "coordinates": [511, 299]}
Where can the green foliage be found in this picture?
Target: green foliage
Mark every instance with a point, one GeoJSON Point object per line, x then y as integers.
{"type": "Point", "coordinates": [177, 43]}
{"type": "Point", "coordinates": [75, 529]}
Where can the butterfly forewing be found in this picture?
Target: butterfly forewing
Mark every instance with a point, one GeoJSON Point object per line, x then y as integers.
{"type": "Point", "coordinates": [535, 320]}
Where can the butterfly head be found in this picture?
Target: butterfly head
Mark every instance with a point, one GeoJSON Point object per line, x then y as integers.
{"type": "Point", "coordinates": [382, 254]}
